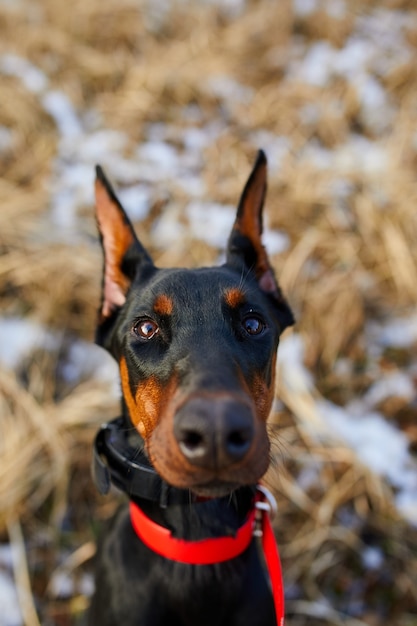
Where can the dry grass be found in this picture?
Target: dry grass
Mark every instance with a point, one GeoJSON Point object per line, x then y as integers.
{"type": "Point", "coordinates": [349, 262]}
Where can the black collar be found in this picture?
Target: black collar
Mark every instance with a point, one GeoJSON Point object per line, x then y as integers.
{"type": "Point", "coordinates": [119, 458]}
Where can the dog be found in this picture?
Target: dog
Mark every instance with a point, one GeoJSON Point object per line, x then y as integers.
{"type": "Point", "coordinates": [196, 350]}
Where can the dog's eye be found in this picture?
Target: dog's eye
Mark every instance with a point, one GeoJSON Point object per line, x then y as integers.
{"type": "Point", "coordinates": [253, 325]}
{"type": "Point", "coordinates": [146, 329]}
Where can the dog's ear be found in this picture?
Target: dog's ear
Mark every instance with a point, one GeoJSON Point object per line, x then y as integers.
{"type": "Point", "coordinates": [245, 250]}
{"type": "Point", "coordinates": [124, 255]}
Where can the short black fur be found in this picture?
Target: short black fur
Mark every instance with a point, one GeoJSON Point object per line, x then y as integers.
{"type": "Point", "coordinates": [202, 344]}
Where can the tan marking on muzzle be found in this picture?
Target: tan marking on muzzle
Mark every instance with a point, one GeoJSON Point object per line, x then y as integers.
{"type": "Point", "coordinates": [149, 402]}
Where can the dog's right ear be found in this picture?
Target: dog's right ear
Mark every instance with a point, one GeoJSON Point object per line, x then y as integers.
{"type": "Point", "coordinates": [245, 250]}
{"type": "Point", "coordinates": [124, 255]}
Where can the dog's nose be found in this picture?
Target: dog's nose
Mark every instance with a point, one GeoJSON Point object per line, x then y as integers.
{"type": "Point", "coordinates": [214, 433]}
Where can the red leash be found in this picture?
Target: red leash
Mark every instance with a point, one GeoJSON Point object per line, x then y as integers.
{"type": "Point", "coordinates": [267, 507]}
{"type": "Point", "coordinates": [210, 551]}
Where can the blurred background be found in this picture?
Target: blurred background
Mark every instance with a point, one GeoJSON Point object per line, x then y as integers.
{"type": "Point", "coordinates": [174, 99]}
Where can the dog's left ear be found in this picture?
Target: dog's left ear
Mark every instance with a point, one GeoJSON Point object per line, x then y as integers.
{"type": "Point", "coordinates": [245, 249]}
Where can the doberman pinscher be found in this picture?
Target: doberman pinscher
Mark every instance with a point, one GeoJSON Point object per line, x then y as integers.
{"type": "Point", "coordinates": [196, 350]}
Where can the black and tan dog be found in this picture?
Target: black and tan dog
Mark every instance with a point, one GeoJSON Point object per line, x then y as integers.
{"type": "Point", "coordinates": [196, 350]}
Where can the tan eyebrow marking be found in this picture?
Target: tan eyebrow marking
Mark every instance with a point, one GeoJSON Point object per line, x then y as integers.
{"type": "Point", "coordinates": [163, 305]}
{"type": "Point", "coordinates": [234, 297]}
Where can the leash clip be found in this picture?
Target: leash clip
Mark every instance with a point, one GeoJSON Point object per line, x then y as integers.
{"type": "Point", "coordinates": [265, 509]}
{"type": "Point", "coordinates": [265, 504]}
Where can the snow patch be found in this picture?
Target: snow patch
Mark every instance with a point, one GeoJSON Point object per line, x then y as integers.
{"type": "Point", "coordinates": [167, 230]}
{"type": "Point", "coordinates": [357, 154]}
{"type": "Point", "coordinates": [161, 156]}
{"type": "Point", "coordinates": [10, 613]}
{"type": "Point", "coordinates": [304, 8]}
{"type": "Point", "coordinates": [372, 558]}
{"type": "Point", "coordinates": [396, 333]}
{"type": "Point", "coordinates": [32, 78]}
{"type": "Point", "coordinates": [275, 241]}
{"type": "Point", "coordinates": [317, 66]}
{"type": "Point", "coordinates": [7, 139]}
{"type": "Point", "coordinates": [392, 385]}
{"type": "Point", "coordinates": [228, 89]}
{"type": "Point", "coordinates": [60, 108]}
{"type": "Point", "coordinates": [86, 361]}
{"type": "Point", "coordinates": [378, 444]}
{"type": "Point", "coordinates": [19, 338]}
{"type": "Point", "coordinates": [136, 200]}
{"type": "Point", "coordinates": [294, 373]}
{"type": "Point", "coordinates": [210, 222]}
{"type": "Point", "coordinates": [63, 584]}
{"type": "Point", "coordinates": [276, 147]}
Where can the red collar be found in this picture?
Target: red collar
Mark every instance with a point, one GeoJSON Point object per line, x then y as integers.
{"type": "Point", "coordinates": [210, 551]}
{"type": "Point", "coordinates": [205, 552]}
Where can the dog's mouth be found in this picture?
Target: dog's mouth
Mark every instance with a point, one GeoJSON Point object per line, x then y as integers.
{"type": "Point", "coordinates": [214, 489]}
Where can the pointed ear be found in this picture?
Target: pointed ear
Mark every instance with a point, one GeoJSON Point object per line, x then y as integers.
{"type": "Point", "coordinates": [123, 254]}
{"type": "Point", "coordinates": [245, 249]}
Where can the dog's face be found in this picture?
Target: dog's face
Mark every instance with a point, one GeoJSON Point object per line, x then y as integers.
{"type": "Point", "coordinates": [196, 347]}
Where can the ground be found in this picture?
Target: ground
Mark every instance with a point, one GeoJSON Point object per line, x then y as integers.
{"type": "Point", "coordinates": [174, 99]}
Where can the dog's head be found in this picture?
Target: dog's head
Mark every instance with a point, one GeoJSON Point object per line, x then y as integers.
{"type": "Point", "coordinates": [196, 347]}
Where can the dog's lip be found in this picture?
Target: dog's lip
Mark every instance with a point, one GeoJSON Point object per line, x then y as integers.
{"type": "Point", "coordinates": [214, 489]}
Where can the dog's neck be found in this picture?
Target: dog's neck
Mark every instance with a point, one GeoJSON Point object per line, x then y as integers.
{"type": "Point", "coordinates": [217, 517]}
{"type": "Point", "coordinates": [200, 518]}
{"type": "Point", "coordinates": [205, 518]}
